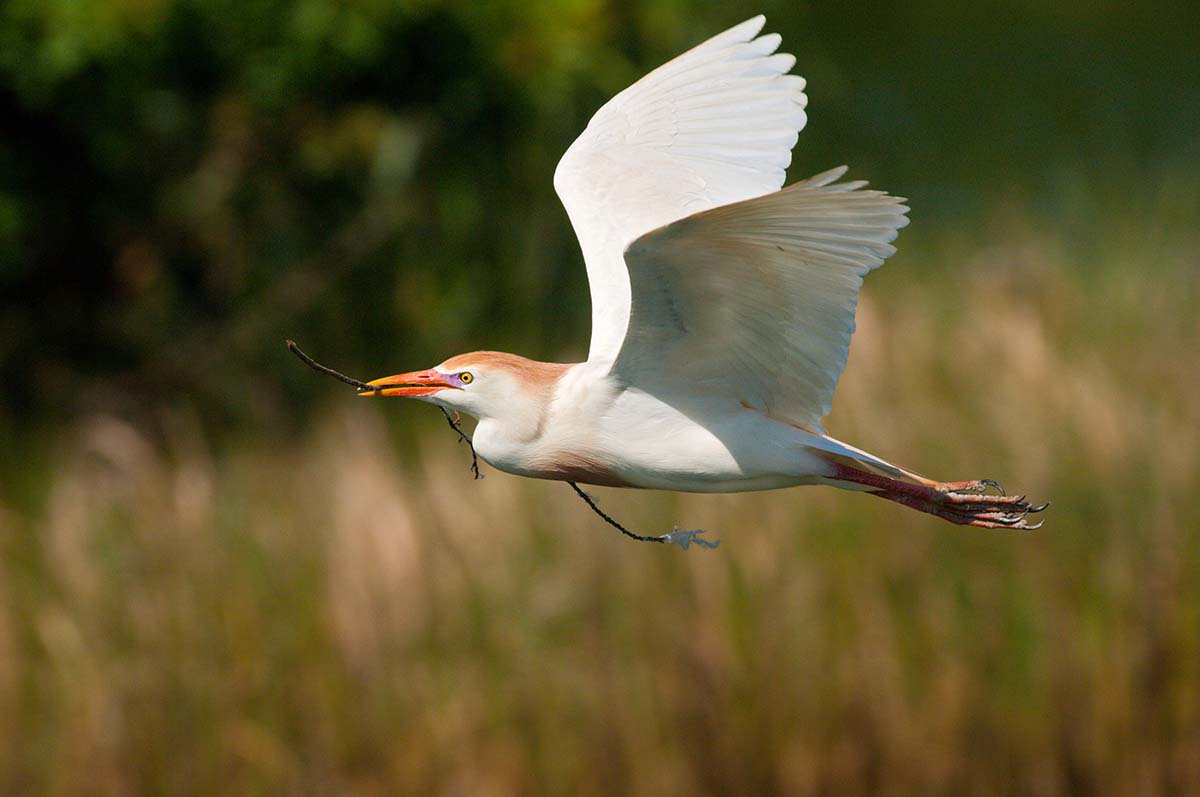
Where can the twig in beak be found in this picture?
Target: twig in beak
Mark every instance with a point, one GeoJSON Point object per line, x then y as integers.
{"type": "Point", "coordinates": [324, 369]}
{"type": "Point", "coordinates": [454, 420]}
{"type": "Point", "coordinates": [363, 387]}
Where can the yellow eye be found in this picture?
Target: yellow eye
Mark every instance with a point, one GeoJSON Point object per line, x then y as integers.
{"type": "Point", "coordinates": [466, 377]}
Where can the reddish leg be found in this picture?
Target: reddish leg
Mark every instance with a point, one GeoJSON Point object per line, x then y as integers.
{"type": "Point", "coordinates": [959, 502]}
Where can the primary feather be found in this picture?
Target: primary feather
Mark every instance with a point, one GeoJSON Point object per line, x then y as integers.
{"type": "Point", "coordinates": [705, 277]}
{"type": "Point", "coordinates": [715, 125]}
{"type": "Point", "coordinates": [755, 300]}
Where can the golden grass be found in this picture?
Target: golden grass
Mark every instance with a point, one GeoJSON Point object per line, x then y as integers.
{"type": "Point", "coordinates": [342, 616]}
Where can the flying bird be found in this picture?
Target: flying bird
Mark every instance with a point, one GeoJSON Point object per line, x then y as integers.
{"type": "Point", "coordinates": [722, 305]}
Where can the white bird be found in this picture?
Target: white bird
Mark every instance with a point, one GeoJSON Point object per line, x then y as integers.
{"type": "Point", "coordinates": [722, 305]}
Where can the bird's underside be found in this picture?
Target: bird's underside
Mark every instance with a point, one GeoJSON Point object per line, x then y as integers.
{"type": "Point", "coordinates": [979, 502]}
{"type": "Point", "coordinates": [673, 451]}
{"type": "Point", "coordinates": [722, 304]}
{"type": "Point", "coordinates": [599, 434]}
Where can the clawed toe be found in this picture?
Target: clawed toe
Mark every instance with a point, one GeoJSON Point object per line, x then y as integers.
{"type": "Point", "coordinates": [989, 511]}
{"type": "Point", "coordinates": [978, 502]}
{"type": "Point", "coordinates": [973, 486]}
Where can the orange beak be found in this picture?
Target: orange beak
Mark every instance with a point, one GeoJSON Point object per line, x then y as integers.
{"type": "Point", "coordinates": [413, 384]}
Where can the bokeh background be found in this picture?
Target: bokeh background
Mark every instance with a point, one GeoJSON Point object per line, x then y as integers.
{"type": "Point", "coordinates": [222, 573]}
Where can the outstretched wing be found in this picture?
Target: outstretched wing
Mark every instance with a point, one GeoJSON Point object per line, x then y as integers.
{"type": "Point", "coordinates": [715, 125]}
{"type": "Point", "coordinates": [755, 301]}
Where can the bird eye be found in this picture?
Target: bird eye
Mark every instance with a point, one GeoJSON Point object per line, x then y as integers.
{"type": "Point", "coordinates": [466, 377]}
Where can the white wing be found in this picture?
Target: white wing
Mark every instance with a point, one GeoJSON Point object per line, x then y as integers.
{"type": "Point", "coordinates": [715, 125]}
{"type": "Point", "coordinates": [755, 301]}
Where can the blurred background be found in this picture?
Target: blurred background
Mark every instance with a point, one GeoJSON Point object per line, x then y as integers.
{"type": "Point", "coordinates": [221, 573]}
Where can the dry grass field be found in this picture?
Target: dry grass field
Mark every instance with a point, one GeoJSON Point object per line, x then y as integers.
{"type": "Point", "coordinates": [346, 612]}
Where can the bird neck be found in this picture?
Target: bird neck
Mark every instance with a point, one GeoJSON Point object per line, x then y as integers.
{"type": "Point", "coordinates": [516, 415]}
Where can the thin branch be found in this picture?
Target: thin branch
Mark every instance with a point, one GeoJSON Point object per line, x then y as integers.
{"type": "Point", "coordinates": [587, 499]}
{"type": "Point", "coordinates": [363, 387]}
{"type": "Point", "coordinates": [454, 420]}
{"type": "Point", "coordinates": [677, 536]}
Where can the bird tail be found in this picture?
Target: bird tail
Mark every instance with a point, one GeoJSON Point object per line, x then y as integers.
{"type": "Point", "coordinates": [844, 457]}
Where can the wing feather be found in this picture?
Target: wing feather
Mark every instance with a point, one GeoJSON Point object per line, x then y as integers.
{"type": "Point", "coordinates": [715, 125]}
{"type": "Point", "coordinates": [754, 301]}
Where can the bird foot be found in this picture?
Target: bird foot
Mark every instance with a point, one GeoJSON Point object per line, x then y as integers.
{"type": "Point", "coordinates": [973, 486]}
{"type": "Point", "coordinates": [684, 538]}
{"type": "Point", "coordinates": [967, 503]}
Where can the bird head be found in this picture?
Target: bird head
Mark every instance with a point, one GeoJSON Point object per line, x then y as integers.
{"type": "Point", "coordinates": [485, 384]}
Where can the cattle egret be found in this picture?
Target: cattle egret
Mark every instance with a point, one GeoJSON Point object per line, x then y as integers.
{"type": "Point", "coordinates": [722, 304]}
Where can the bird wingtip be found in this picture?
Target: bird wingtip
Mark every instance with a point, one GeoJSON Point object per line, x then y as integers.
{"type": "Point", "coordinates": [751, 27]}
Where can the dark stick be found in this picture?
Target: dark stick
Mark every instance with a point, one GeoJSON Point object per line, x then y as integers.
{"type": "Point", "coordinates": [588, 500]}
{"type": "Point", "coordinates": [453, 420]}
{"type": "Point", "coordinates": [316, 366]}
{"type": "Point", "coordinates": [363, 387]}
{"type": "Point", "coordinates": [681, 538]}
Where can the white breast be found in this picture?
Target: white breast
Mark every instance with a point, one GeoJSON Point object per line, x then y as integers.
{"type": "Point", "coordinates": [596, 432]}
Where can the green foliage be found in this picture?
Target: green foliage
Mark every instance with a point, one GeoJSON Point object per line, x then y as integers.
{"type": "Point", "coordinates": [183, 183]}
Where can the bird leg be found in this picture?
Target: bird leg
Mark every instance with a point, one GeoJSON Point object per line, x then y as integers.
{"type": "Point", "coordinates": [682, 538]}
{"type": "Point", "coordinates": [973, 486]}
{"type": "Point", "coordinates": [966, 503]}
